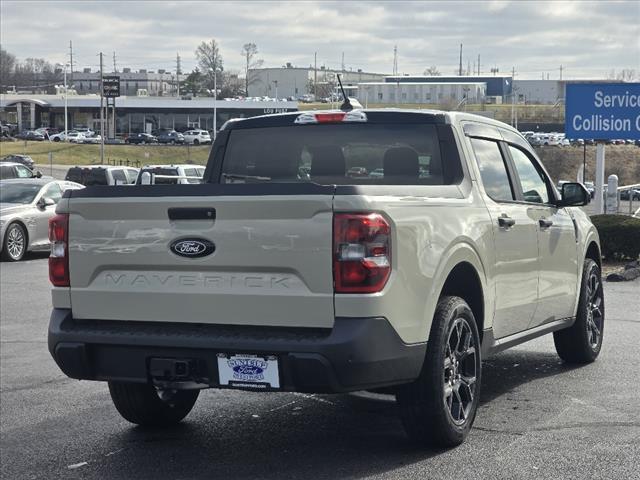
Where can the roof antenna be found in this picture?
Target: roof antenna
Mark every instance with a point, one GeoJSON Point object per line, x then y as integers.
{"type": "Point", "coordinates": [346, 105]}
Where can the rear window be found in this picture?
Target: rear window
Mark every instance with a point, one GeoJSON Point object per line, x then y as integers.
{"type": "Point", "coordinates": [341, 154]}
{"type": "Point", "coordinates": [159, 173]}
{"type": "Point", "coordinates": [97, 176]}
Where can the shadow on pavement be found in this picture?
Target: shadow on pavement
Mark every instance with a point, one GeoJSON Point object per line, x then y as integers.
{"type": "Point", "coordinates": [311, 436]}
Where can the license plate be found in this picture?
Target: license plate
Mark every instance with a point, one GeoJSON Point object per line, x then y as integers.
{"type": "Point", "coordinates": [249, 371]}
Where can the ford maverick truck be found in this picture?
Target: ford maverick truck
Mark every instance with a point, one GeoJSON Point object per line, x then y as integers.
{"type": "Point", "coordinates": [327, 252]}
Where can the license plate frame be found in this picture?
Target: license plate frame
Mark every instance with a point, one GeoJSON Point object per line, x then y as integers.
{"type": "Point", "coordinates": [249, 371]}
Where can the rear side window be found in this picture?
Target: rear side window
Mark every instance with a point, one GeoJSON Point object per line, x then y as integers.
{"type": "Point", "coordinates": [160, 175]}
{"type": "Point", "coordinates": [119, 176]}
{"type": "Point", "coordinates": [97, 176]}
{"type": "Point", "coordinates": [493, 169]}
{"type": "Point", "coordinates": [341, 154]}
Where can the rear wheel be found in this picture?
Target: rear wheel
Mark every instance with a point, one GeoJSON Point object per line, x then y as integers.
{"type": "Point", "coordinates": [581, 343]}
{"type": "Point", "coordinates": [146, 405]}
{"type": "Point", "coordinates": [15, 243]}
{"type": "Point", "coordinates": [440, 406]}
{"type": "Point", "coordinates": [196, 142]}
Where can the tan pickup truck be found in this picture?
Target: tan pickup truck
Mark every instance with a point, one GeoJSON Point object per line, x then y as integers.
{"type": "Point", "coordinates": [327, 252]}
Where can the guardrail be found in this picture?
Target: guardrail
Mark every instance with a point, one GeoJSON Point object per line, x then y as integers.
{"type": "Point", "coordinates": [631, 197]}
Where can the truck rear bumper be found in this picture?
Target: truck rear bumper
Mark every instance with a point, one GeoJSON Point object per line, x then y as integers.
{"type": "Point", "coordinates": [356, 354]}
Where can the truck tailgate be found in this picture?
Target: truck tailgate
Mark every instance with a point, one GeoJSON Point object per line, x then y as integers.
{"type": "Point", "coordinates": [271, 265]}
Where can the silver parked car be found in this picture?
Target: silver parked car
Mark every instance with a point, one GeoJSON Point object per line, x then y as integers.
{"type": "Point", "coordinates": [25, 208]}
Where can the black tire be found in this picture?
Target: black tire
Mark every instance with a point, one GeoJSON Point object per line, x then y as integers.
{"type": "Point", "coordinates": [56, 139]}
{"type": "Point", "coordinates": [173, 142]}
{"type": "Point", "coordinates": [15, 243]}
{"type": "Point", "coordinates": [582, 342]}
{"type": "Point", "coordinates": [196, 142]}
{"type": "Point", "coordinates": [427, 412]}
{"type": "Point", "coordinates": [141, 403]}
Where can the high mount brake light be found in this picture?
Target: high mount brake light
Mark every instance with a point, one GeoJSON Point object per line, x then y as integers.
{"type": "Point", "coordinates": [59, 257]}
{"type": "Point", "coordinates": [331, 117]}
{"type": "Point", "coordinates": [361, 252]}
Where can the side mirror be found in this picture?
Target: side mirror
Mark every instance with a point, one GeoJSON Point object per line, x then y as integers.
{"type": "Point", "coordinates": [574, 195]}
{"type": "Point", "coordinates": [45, 202]}
{"type": "Point", "coordinates": [38, 174]}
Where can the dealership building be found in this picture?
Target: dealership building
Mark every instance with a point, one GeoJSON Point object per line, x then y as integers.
{"type": "Point", "coordinates": [131, 114]}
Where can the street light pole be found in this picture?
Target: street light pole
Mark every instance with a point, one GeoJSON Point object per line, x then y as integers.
{"type": "Point", "coordinates": [65, 101]}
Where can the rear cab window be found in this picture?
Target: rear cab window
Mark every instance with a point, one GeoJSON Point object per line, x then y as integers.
{"type": "Point", "coordinates": [358, 153]}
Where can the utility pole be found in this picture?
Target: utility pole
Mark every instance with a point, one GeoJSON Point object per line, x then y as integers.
{"type": "Point", "coordinates": [395, 60]}
{"type": "Point", "coordinates": [315, 76]}
{"type": "Point", "coordinates": [66, 93]}
{"type": "Point", "coordinates": [469, 67]}
{"type": "Point", "coordinates": [178, 75]}
{"type": "Point", "coordinates": [460, 69]}
{"type": "Point", "coordinates": [478, 64]}
{"type": "Point", "coordinates": [71, 60]}
{"type": "Point", "coordinates": [101, 111]}
{"type": "Point", "coordinates": [560, 72]}
{"type": "Point", "coordinates": [114, 63]}
{"type": "Point", "coordinates": [343, 63]}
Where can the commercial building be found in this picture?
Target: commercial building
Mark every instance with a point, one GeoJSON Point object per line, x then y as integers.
{"type": "Point", "coordinates": [498, 86]}
{"type": "Point", "coordinates": [160, 83]}
{"type": "Point", "coordinates": [545, 92]}
{"type": "Point", "coordinates": [132, 114]}
{"type": "Point", "coordinates": [296, 82]}
{"type": "Point", "coordinates": [443, 93]}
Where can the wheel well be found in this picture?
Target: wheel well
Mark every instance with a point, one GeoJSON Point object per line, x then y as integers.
{"type": "Point", "coordinates": [593, 252]}
{"type": "Point", "coordinates": [463, 281]}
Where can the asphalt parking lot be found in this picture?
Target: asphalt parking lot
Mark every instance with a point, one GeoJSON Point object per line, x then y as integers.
{"type": "Point", "coordinates": [538, 418]}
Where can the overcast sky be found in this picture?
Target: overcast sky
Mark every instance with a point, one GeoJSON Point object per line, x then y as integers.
{"type": "Point", "coordinates": [588, 38]}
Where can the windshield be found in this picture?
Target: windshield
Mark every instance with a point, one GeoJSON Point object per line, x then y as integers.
{"type": "Point", "coordinates": [18, 192]}
{"type": "Point", "coordinates": [340, 154]}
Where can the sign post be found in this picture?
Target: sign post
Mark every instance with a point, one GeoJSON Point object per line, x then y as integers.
{"type": "Point", "coordinates": [602, 111]}
{"type": "Point", "coordinates": [111, 90]}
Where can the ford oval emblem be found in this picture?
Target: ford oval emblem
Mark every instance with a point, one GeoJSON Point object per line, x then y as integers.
{"type": "Point", "coordinates": [193, 247]}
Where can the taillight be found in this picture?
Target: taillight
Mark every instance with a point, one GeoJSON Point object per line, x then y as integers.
{"type": "Point", "coordinates": [59, 257]}
{"type": "Point", "coordinates": [361, 252]}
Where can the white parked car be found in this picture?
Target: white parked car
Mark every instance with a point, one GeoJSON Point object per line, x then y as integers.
{"type": "Point", "coordinates": [62, 136]}
{"type": "Point", "coordinates": [92, 139]}
{"type": "Point", "coordinates": [197, 137]}
{"type": "Point", "coordinates": [76, 137]}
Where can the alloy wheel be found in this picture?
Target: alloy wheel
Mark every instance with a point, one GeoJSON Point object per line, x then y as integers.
{"type": "Point", "coordinates": [15, 242]}
{"type": "Point", "coordinates": [594, 309]}
{"type": "Point", "coordinates": [460, 371]}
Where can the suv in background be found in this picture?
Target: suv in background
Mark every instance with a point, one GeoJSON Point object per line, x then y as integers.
{"type": "Point", "coordinates": [102, 175]}
{"type": "Point", "coordinates": [25, 160]}
{"type": "Point", "coordinates": [171, 137]}
{"type": "Point", "coordinates": [197, 137]}
{"type": "Point", "coordinates": [140, 139]}
{"type": "Point", "coordinates": [162, 174]}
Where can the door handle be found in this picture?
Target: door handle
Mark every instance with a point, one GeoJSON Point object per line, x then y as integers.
{"type": "Point", "coordinates": [506, 222]}
{"type": "Point", "coordinates": [544, 223]}
{"type": "Point", "coordinates": [182, 213]}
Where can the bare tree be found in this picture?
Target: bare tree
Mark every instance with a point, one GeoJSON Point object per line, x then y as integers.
{"type": "Point", "coordinates": [210, 61]}
{"type": "Point", "coordinates": [249, 51]}
{"type": "Point", "coordinates": [7, 65]}
{"type": "Point", "coordinates": [432, 71]}
{"type": "Point", "coordinates": [627, 75]}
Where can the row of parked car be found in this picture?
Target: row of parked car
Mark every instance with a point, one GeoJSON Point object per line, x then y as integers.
{"type": "Point", "coordinates": [555, 139]}
{"type": "Point", "coordinates": [86, 135]}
